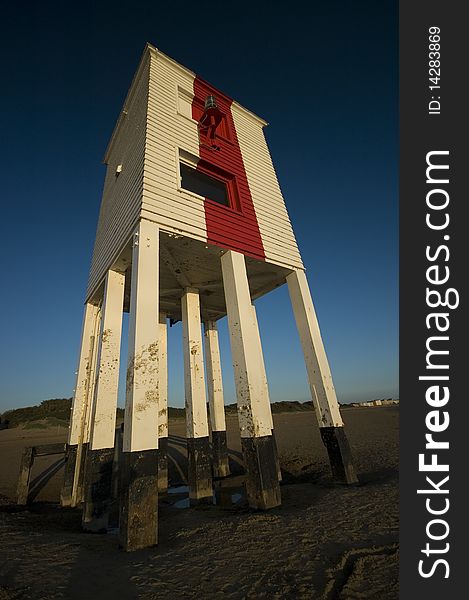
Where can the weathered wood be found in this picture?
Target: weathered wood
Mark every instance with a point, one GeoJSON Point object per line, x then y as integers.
{"type": "Point", "coordinates": [220, 460]}
{"type": "Point", "coordinates": [194, 379]}
{"type": "Point", "coordinates": [265, 398]}
{"type": "Point", "coordinates": [80, 424]}
{"type": "Point", "coordinates": [116, 479]}
{"type": "Point", "coordinates": [340, 455]}
{"type": "Point", "coordinates": [138, 523]}
{"type": "Point", "coordinates": [69, 474]}
{"type": "Point", "coordinates": [95, 517]}
{"type": "Point", "coordinates": [198, 442]}
{"type": "Point", "coordinates": [163, 407]}
{"type": "Point", "coordinates": [81, 396]}
{"type": "Point", "coordinates": [163, 465]}
{"type": "Point", "coordinates": [78, 495]}
{"type": "Point", "coordinates": [214, 377]}
{"type": "Point", "coordinates": [142, 381]}
{"type": "Point", "coordinates": [199, 470]}
{"type": "Point", "coordinates": [320, 379]}
{"type": "Point", "coordinates": [255, 419]}
{"type": "Point", "coordinates": [262, 487]}
{"type": "Point", "coordinates": [27, 460]}
{"type": "Point", "coordinates": [47, 449]}
{"type": "Point", "coordinates": [216, 401]}
{"type": "Point", "coordinates": [317, 366]}
{"type": "Point", "coordinates": [103, 421]}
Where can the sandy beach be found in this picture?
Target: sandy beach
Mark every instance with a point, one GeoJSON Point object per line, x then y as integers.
{"type": "Point", "coordinates": [325, 541]}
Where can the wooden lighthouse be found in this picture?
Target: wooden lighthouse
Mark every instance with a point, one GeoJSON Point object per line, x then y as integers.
{"type": "Point", "coordinates": [193, 227]}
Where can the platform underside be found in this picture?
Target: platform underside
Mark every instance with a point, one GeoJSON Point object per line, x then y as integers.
{"type": "Point", "coordinates": [185, 262]}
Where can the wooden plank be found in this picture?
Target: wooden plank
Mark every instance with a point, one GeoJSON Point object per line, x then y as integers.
{"type": "Point", "coordinates": [317, 366]}
{"type": "Point", "coordinates": [47, 449]}
{"type": "Point", "coordinates": [103, 421]}
{"type": "Point", "coordinates": [141, 401]}
{"type": "Point", "coordinates": [253, 417]}
{"type": "Point", "coordinates": [194, 378]}
{"type": "Point", "coordinates": [25, 475]}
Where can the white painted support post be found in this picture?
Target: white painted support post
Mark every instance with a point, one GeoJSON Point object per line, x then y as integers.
{"type": "Point", "coordinates": [265, 390]}
{"type": "Point", "coordinates": [320, 379]}
{"type": "Point", "coordinates": [198, 441]}
{"type": "Point", "coordinates": [139, 501]}
{"type": "Point", "coordinates": [83, 444]}
{"type": "Point", "coordinates": [216, 402]}
{"type": "Point", "coordinates": [103, 420]}
{"type": "Point", "coordinates": [80, 404]}
{"type": "Point", "coordinates": [163, 406]}
{"type": "Point", "coordinates": [264, 385]}
{"type": "Point", "coordinates": [255, 425]}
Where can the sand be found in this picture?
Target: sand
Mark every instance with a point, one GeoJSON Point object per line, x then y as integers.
{"type": "Point", "coordinates": [325, 541]}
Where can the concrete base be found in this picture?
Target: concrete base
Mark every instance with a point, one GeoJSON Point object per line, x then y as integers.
{"type": "Point", "coordinates": [97, 484]}
{"type": "Point", "coordinates": [262, 486]}
{"type": "Point", "coordinates": [199, 475]}
{"type": "Point", "coordinates": [139, 500]}
{"type": "Point", "coordinates": [340, 456]}
{"type": "Point", "coordinates": [69, 474]}
{"type": "Point", "coordinates": [163, 465]}
{"type": "Point", "coordinates": [221, 467]}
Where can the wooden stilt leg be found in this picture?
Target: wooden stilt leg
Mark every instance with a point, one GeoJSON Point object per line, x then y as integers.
{"type": "Point", "coordinates": [262, 484]}
{"type": "Point", "coordinates": [139, 484]}
{"type": "Point", "coordinates": [221, 466]}
{"type": "Point", "coordinates": [320, 380]}
{"type": "Point", "coordinates": [99, 458]}
{"type": "Point", "coordinates": [198, 442]}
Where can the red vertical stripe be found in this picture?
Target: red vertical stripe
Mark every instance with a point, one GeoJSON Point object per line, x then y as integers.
{"type": "Point", "coordinates": [233, 228]}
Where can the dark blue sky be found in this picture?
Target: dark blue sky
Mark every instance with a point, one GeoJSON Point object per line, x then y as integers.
{"type": "Point", "coordinates": [324, 75]}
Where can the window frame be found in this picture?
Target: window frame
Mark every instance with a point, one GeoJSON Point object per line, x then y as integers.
{"type": "Point", "coordinates": [214, 172]}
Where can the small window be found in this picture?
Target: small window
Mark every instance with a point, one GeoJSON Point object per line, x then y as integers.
{"type": "Point", "coordinates": [204, 185]}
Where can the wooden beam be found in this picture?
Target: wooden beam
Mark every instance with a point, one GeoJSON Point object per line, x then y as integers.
{"type": "Point", "coordinates": [172, 264]}
{"type": "Point", "coordinates": [48, 449]}
{"type": "Point", "coordinates": [25, 475]}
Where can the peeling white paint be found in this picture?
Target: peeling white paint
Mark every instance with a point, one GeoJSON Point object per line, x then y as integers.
{"type": "Point", "coordinates": [103, 420]}
{"type": "Point", "coordinates": [317, 366]}
{"type": "Point", "coordinates": [194, 379]}
{"type": "Point", "coordinates": [214, 377]}
{"type": "Point", "coordinates": [142, 382]}
{"type": "Point", "coordinates": [163, 386]}
{"type": "Point", "coordinates": [250, 387]}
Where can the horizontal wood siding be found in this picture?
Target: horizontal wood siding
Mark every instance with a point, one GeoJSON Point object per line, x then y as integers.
{"type": "Point", "coordinates": [122, 196]}
{"type": "Point", "coordinates": [167, 130]}
{"type": "Point", "coordinates": [279, 242]}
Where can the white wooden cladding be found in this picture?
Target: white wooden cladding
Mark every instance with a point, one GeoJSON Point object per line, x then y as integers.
{"type": "Point", "coordinates": [274, 223]}
{"type": "Point", "coordinates": [122, 194]}
{"type": "Point", "coordinates": [168, 131]}
{"type": "Point", "coordinates": [153, 127]}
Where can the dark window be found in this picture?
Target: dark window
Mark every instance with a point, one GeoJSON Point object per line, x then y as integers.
{"type": "Point", "coordinates": [204, 185]}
